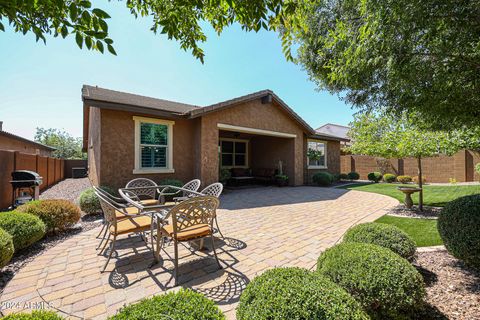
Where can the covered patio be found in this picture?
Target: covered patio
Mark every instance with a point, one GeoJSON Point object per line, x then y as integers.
{"type": "Point", "coordinates": [263, 228]}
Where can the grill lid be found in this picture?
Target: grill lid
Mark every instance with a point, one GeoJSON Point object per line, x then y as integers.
{"type": "Point", "coordinates": [25, 175]}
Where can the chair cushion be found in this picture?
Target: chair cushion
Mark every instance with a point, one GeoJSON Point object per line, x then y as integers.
{"type": "Point", "coordinates": [196, 231]}
{"type": "Point", "coordinates": [130, 210]}
{"type": "Point", "coordinates": [149, 202]}
{"type": "Point", "coordinates": [135, 224]}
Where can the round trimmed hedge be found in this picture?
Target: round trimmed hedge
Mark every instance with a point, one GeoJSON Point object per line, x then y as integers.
{"type": "Point", "coordinates": [353, 175]}
{"type": "Point", "coordinates": [6, 247]}
{"type": "Point", "coordinates": [385, 284]}
{"type": "Point", "coordinates": [343, 176]}
{"type": "Point", "coordinates": [294, 293]}
{"type": "Point", "coordinates": [89, 202]}
{"type": "Point", "coordinates": [183, 304]}
{"type": "Point", "coordinates": [459, 225]}
{"type": "Point", "coordinates": [56, 214]}
{"type": "Point", "coordinates": [389, 178]}
{"type": "Point", "coordinates": [35, 315]}
{"type": "Point", "coordinates": [323, 179]}
{"type": "Point", "coordinates": [374, 176]}
{"type": "Point", "coordinates": [24, 228]}
{"type": "Point", "coordinates": [404, 179]}
{"type": "Point", "coordinates": [383, 235]}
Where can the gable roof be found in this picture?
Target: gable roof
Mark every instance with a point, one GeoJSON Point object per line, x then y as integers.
{"type": "Point", "coordinates": [14, 136]}
{"type": "Point", "coordinates": [110, 99]}
{"type": "Point", "coordinates": [335, 130]}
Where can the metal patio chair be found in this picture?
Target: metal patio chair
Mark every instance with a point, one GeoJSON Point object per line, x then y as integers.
{"type": "Point", "coordinates": [193, 185]}
{"type": "Point", "coordinates": [145, 196]}
{"type": "Point", "coordinates": [192, 219]}
{"type": "Point", "coordinates": [136, 223]}
{"type": "Point", "coordinates": [215, 190]}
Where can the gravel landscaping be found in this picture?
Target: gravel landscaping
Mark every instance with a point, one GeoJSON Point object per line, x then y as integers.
{"type": "Point", "coordinates": [68, 189]}
{"type": "Point", "coordinates": [453, 289]}
{"type": "Point", "coordinates": [427, 213]}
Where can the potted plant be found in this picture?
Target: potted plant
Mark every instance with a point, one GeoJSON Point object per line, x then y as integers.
{"type": "Point", "coordinates": [225, 175]}
{"type": "Point", "coordinates": [281, 180]}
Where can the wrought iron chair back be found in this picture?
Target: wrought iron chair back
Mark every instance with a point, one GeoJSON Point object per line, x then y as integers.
{"type": "Point", "coordinates": [147, 193]}
{"type": "Point", "coordinates": [109, 208]}
{"type": "Point", "coordinates": [193, 185]}
{"type": "Point", "coordinates": [194, 211]}
{"type": "Point", "coordinates": [215, 190]}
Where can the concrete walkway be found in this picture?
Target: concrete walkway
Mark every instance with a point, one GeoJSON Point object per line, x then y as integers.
{"type": "Point", "coordinates": [264, 228]}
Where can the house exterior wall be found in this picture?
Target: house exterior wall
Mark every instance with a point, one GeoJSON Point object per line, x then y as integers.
{"type": "Point", "coordinates": [252, 114]}
{"type": "Point", "coordinates": [93, 147]}
{"type": "Point", "coordinates": [10, 143]}
{"type": "Point", "coordinates": [117, 160]}
{"type": "Point", "coordinates": [333, 160]}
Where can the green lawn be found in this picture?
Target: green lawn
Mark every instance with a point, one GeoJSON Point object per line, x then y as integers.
{"type": "Point", "coordinates": [436, 196]}
{"type": "Point", "coordinates": [423, 231]}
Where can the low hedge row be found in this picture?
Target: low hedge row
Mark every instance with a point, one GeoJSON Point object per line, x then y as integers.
{"type": "Point", "coordinates": [35, 315]}
{"type": "Point", "coordinates": [323, 179]}
{"type": "Point", "coordinates": [24, 228]}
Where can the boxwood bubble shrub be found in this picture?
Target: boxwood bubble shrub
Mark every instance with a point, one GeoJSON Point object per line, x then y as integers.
{"type": "Point", "coordinates": [459, 227]}
{"type": "Point", "coordinates": [385, 284]}
{"type": "Point", "coordinates": [389, 178]}
{"type": "Point", "coordinates": [6, 248]}
{"type": "Point", "coordinates": [323, 179]}
{"type": "Point", "coordinates": [374, 176]}
{"type": "Point", "coordinates": [353, 175]}
{"type": "Point", "coordinates": [295, 293]}
{"type": "Point", "coordinates": [184, 304]}
{"type": "Point", "coordinates": [343, 176]}
{"type": "Point", "coordinates": [384, 235]}
{"type": "Point", "coordinates": [24, 228]}
{"type": "Point", "coordinates": [404, 179]}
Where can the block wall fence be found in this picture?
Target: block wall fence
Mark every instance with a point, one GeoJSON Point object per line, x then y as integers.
{"type": "Point", "coordinates": [51, 169]}
{"type": "Point", "coordinates": [460, 166]}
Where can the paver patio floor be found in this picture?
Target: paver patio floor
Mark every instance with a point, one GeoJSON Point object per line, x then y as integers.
{"type": "Point", "coordinates": [264, 228]}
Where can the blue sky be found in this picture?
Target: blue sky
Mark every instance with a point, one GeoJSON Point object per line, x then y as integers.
{"type": "Point", "coordinates": [40, 85]}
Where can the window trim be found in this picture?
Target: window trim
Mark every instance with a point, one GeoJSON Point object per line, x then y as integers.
{"type": "Point", "coordinates": [137, 168]}
{"type": "Point", "coordinates": [325, 143]}
{"type": "Point", "coordinates": [247, 159]}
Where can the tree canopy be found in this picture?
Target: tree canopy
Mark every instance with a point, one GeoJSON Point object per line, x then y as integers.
{"type": "Point", "coordinates": [180, 20]}
{"type": "Point", "coordinates": [68, 147]}
{"type": "Point", "coordinates": [420, 56]}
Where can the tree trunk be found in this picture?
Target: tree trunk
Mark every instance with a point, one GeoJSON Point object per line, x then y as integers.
{"type": "Point", "coordinates": [420, 184]}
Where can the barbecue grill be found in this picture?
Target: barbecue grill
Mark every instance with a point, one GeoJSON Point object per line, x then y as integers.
{"type": "Point", "coordinates": [25, 180]}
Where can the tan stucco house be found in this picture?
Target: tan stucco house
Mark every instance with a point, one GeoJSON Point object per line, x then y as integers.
{"type": "Point", "coordinates": [129, 136]}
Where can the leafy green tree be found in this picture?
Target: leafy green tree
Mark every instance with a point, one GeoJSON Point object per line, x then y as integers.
{"type": "Point", "coordinates": [180, 20]}
{"type": "Point", "coordinates": [68, 147]}
{"type": "Point", "coordinates": [419, 56]}
{"type": "Point", "coordinates": [382, 135]}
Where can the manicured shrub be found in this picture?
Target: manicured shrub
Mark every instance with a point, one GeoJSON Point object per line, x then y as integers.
{"type": "Point", "coordinates": [383, 235]}
{"type": "Point", "coordinates": [389, 178]}
{"type": "Point", "coordinates": [374, 176]}
{"type": "Point", "coordinates": [344, 176]}
{"type": "Point", "coordinates": [459, 225]}
{"type": "Point", "coordinates": [35, 315]}
{"type": "Point", "coordinates": [323, 179]}
{"type": "Point", "coordinates": [89, 202]}
{"type": "Point", "coordinates": [24, 228]}
{"type": "Point", "coordinates": [6, 247]}
{"type": "Point", "coordinates": [385, 284]}
{"type": "Point", "coordinates": [404, 179]}
{"type": "Point", "coordinates": [183, 304]}
{"type": "Point", "coordinates": [294, 293]}
{"type": "Point", "coordinates": [353, 175]}
{"type": "Point", "coordinates": [335, 177]}
{"type": "Point", "coordinates": [56, 214]}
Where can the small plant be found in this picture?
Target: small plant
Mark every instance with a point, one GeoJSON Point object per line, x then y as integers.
{"type": "Point", "coordinates": [389, 178]}
{"type": "Point", "coordinates": [384, 235]}
{"type": "Point", "coordinates": [374, 176]}
{"type": "Point", "coordinates": [459, 225]}
{"type": "Point", "coordinates": [183, 304]}
{"type": "Point", "coordinates": [57, 214]}
{"type": "Point", "coordinates": [452, 181]}
{"type": "Point", "coordinates": [6, 248]}
{"type": "Point", "coordinates": [224, 175]}
{"type": "Point", "coordinates": [24, 228]}
{"type": "Point", "coordinates": [344, 176]}
{"type": "Point", "coordinates": [281, 180]}
{"type": "Point", "coordinates": [35, 315]}
{"type": "Point", "coordinates": [353, 175]}
{"type": "Point", "coordinates": [323, 179]}
{"type": "Point", "coordinates": [386, 285]}
{"type": "Point", "coordinates": [89, 202]}
{"type": "Point", "coordinates": [404, 179]}
{"type": "Point", "coordinates": [294, 293]}
{"type": "Point", "coordinates": [477, 168]}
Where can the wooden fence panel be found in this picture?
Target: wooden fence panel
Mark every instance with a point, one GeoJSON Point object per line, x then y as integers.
{"type": "Point", "coordinates": [51, 171]}
{"type": "Point", "coordinates": [42, 170]}
{"type": "Point", "coordinates": [25, 161]}
{"type": "Point", "coordinates": [7, 163]}
{"type": "Point", "coordinates": [58, 170]}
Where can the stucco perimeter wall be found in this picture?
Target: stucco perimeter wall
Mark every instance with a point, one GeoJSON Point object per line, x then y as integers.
{"type": "Point", "coordinates": [118, 149]}
{"type": "Point", "coordinates": [252, 114]}
{"type": "Point", "coordinates": [333, 161]}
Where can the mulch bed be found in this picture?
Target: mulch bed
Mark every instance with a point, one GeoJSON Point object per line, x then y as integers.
{"type": "Point", "coordinates": [427, 213]}
{"type": "Point", "coordinates": [453, 289]}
